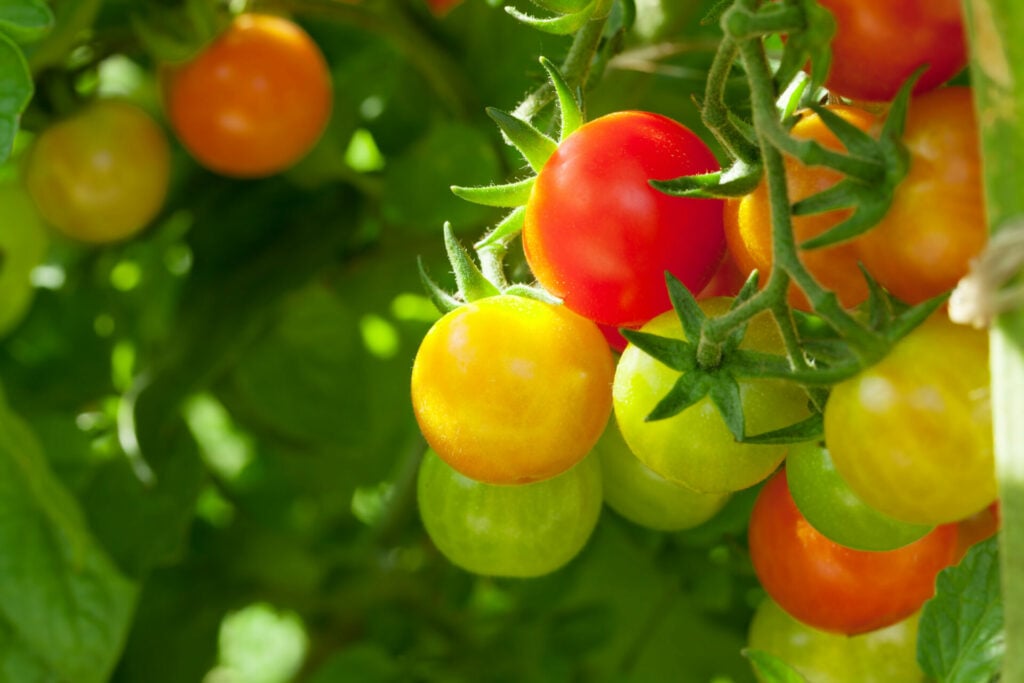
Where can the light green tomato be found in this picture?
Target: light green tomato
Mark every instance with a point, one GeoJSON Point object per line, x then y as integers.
{"type": "Point", "coordinates": [832, 508]}
{"type": "Point", "coordinates": [520, 530]}
{"type": "Point", "coordinates": [695, 448]}
{"type": "Point", "coordinates": [643, 496]}
{"type": "Point", "coordinates": [888, 655]}
{"type": "Point", "coordinates": [23, 244]}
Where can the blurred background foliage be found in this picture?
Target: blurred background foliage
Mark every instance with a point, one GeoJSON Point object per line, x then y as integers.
{"type": "Point", "coordinates": [207, 453]}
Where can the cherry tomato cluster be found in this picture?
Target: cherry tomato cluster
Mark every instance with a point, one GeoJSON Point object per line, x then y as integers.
{"type": "Point", "coordinates": [250, 104]}
{"type": "Point", "coordinates": [850, 527]}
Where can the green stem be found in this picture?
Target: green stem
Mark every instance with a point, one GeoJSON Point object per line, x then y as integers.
{"type": "Point", "coordinates": [741, 23]}
{"type": "Point", "coordinates": [996, 38]}
{"type": "Point", "coordinates": [714, 112]}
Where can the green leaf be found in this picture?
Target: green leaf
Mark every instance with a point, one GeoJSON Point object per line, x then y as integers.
{"type": "Point", "coordinates": [691, 387]}
{"type": "Point", "coordinates": [62, 601]}
{"type": "Point", "coordinates": [509, 195]}
{"type": "Point", "coordinates": [771, 669]}
{"type": "Point", "coordinates": [675, 353]}
{"type": "Point", "coordinates": [25, 21]}
{"type": "Point", "coordinates": [568, 105]}
{"type": "Point", "coordinates": [725, 393]}
{"type": "Point", "coordinates": [960, 637]}
{"type": "Point", "coordinates": [561, 25]}
{"type": "Point", "coordinates": [16, 88]}
{"type": "Point", "coordinates": [690, 314]}
{"type": "Point", "coordinates": [471, 282]}
{"type": "Point", "coordinates": [535, 147]}
{"type": "Point", "coordinates": [798, 432]}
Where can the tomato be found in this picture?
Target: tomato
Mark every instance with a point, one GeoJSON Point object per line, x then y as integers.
{"type": "Point", "coordinates": [825, 499]}
{"type": "Point", "coordinates": [977, 528]}
{"type": "Point", "coordinates": [523, 531]}
{"type": "Point", "coordinates": [878, 44]}
{"type": "Point", "coordinates": [23, 245]}
{"type": "Point", "coordinates": [936, 223]}
{"type": "Point", "coordinates": [510, 390]}
{"type": "Point", "coordinates": [597, 235]}
{"type": "Point", "coordinates": [645, 497]}
{"type": "Point", "coordinates": [912, 435]}
{"type": "Point", "coordinates": [832, 587]}
{"type": "Point", "coordinates": [888, 655]}
{"type": "Point", "coordinates": [254, 101]}
{"type": "Point", "coordinates": [100, 175]}
{"type": "Point", "coordinates": [695, 448]}
{"type": "Point", "coordinates": [748, 225]}
{"type": "Point", "coordinates": [728, 280]}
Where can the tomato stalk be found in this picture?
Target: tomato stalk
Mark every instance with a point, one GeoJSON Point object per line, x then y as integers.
{"type": "Point", "coordinates": [996, 39]}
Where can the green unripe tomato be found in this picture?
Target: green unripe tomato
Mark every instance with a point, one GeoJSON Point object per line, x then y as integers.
{"type": "Point", "coordinates": [832, 508]}
{"type": "Point", "coordinates": [519, 530]}
{"type": "Point", "coordinates": [888, 655]}
{"type": "Point", "coordinates": [695, 448]}
{"type": "Point", "coordinates": [643, 496]}
{"type": "Point", "coordinates": [23, 244]}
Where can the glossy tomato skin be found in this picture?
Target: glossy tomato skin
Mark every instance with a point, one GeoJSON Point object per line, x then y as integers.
{"type": "Point", "coordinates": [912, 434]}
{"type": "Point", "coordinates": [100, 175]}
{"type": "Point", "coordinates": [833, 509]}
{"type": "Point", "coordinates": [598, 236]}
{"type": "Point", "coordinates": [936, 223]}
{"type": "Point", "coordinates": [520, 531]}
{"type": "Point", "coordinates": [748, 228]}
{"type": "Point", "coordinates": [510, 390]}
{"type": "Point", "coordinates": [23, 243]}
{"type": "Point", "coordinates": [643, 496]}
{"type": "Point", "coordinates": [888, 655]}
{"type": "Point", "coordinates": [834, 588]}
{"type": "Point", "coordinates": [254, 101]}
{"type": "Point", "coordinates": [878, 44]}
{"type": "Point", "coordinates": [695, 448]}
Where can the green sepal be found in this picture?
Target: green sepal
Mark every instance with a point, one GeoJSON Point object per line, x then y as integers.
{"type": "Point", "coordinates": [686, 307]}
{"type": "Point", "coordinates": [677, 354]}
{"type": "Point", "coordinates": [879, 303]}
{"type": "Point", "coordinates": [813, 44]}
{"type": "Point", "coordinates": [689, 388]}
{"type": "Point", "coordinates": [736, 181]}
{"type": "Point", "coordinates": [798, 432]}
{"type": "Point", "coordinates": [535, 147]}
{"type": "Point", "coordinates": [509, 195]}
{"type": "Point", "coordinates": [444, 301]}
{"type": "Point", "coordinates": [906, 321]}
{"type": "Point", "coordinates": [771, 669]}
{"type": "Point", "coordinates": [562, 25]}
{"type": "Point", "coordinates": [510, 226]}
{"type": "Point", "coordinates": [856, 141]}
{"type": "Point", "coordinates": [796, 96]}
{"type": "Point", "coordinates": [471, 282]}
{"type": "Point", "coordinates": [25, 21]}
{"type": "Point", "coordinates": [568, 106]}
{"type": "Point", "coordinates": [15, 93]}
{"type": "Point", "coordinates": [745, 364]}
{"type": "Point", "coordinates": [532, 292]}
{"type": "Point", "coordinates": [725, 394]}
{"type": "Point", "coordinates": [870, 205]}
{"type": "Point", "coordinates": [735, 338]}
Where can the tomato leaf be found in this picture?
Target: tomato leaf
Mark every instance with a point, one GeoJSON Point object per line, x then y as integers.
{"type": "Point", "coordinates": [561, 25]}
{"type": "Point", "coordinates": [690, 314]}
{"type": "Point", "coordinates": [689, 388]}
{"type": "Point", "coordinates": [798, 432]}
{"type": "Point", "coordinates": [960, 638]}
{"type": "Point", "coordinates": [25, 20]}
{"type": "Point", "coordinates": [771, 669]}
{"type": "Point", "coordinates": [509, 195]}
{"type": "Point", "coordinates": [725, 394]}
{"type": "Point", "coordinates": [568, 104]}
{"type": "Point", "coordinates": [16, 88]}
{"type": "Point", "coordinates": [535, 147]}
{"type": "Point", "coordinates": [675, 353]}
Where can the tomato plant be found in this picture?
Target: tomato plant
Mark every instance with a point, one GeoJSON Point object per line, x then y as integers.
{"type": "Point", "coordinates": [101, 174]}
{"type": "Point", "coordinates": [879, 44]}
{"type": "Point", "coordinates": [598, 236]}
{"type": "Point", "coordinates": [834, 588]}
{"type": "Point", "coordinates": [525, 530]}
{"type": "Point", "coordinates": [888, 655]}
{"type": "Point", "coordinates": [254, 101]}
{"type": "Point", "coordinates": [643, 496]}
{"type": "Point", "coordinates": [695, 448]}
{"type": "Point", "coordinates": [748, 219]}
{"type": "Point", "coordinates": [23, 245]}
{"type": "Point", "coordinates": [912, 435]}
{"type": "Point", "coordinates": [826, 501]}
{"type": "Point", "coordinates": [510, 390]}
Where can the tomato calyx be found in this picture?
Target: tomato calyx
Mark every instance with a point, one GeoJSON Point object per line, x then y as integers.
{"type": "Point", "coordinates": [571, 15]}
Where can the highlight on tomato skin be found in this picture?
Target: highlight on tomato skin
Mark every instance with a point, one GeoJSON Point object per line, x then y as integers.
{"type": "Point", "coordinates": [834, 588]}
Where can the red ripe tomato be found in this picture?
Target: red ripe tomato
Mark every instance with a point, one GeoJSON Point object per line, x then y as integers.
{"type": "Point", "coordinates": [254, 101]}
{"type": "Point", "coordinates": [936, 223]}
{"type": "Point", "coordinates": [748, 225]}
{"type": "Point", "coordinates": [832, 587]}
{"type": "Point", "coordinates": [601, 238]}
{"type": "Point", "coordinates": [878, 44]}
